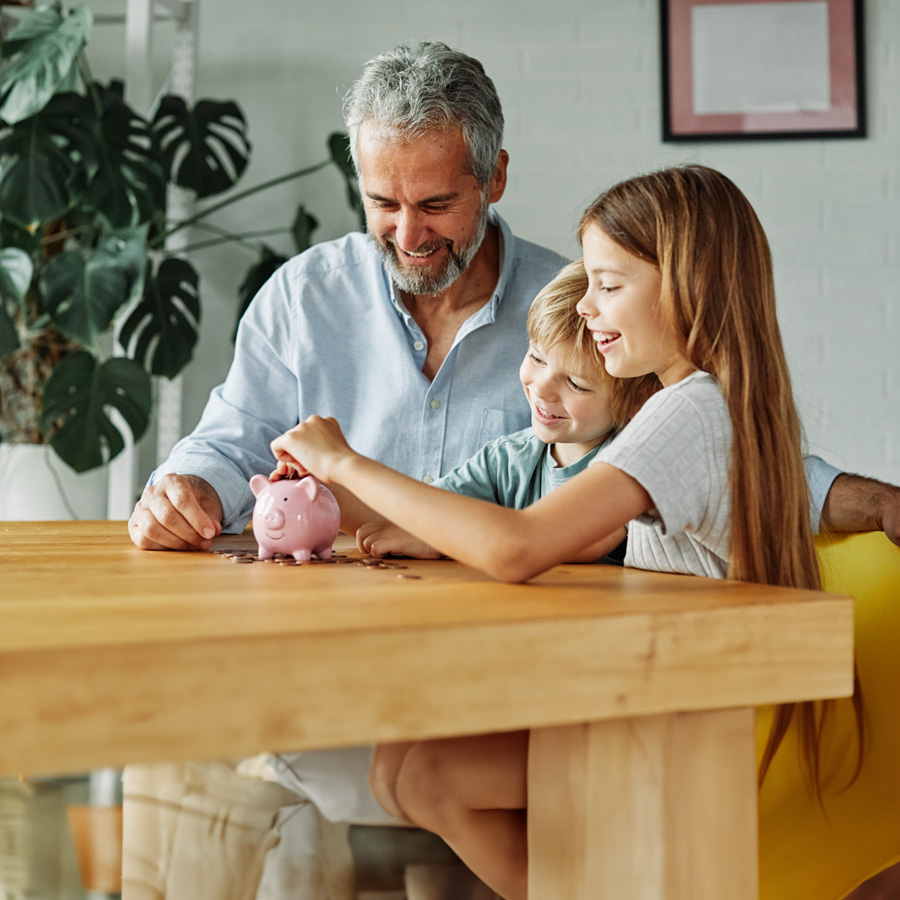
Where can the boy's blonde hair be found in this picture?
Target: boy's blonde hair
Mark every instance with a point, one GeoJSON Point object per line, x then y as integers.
{"type": "Point", "coordinates": [554, 322]}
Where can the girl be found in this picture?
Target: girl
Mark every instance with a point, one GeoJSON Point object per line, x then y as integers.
{"type": "Point", "coordinates": [680, 286]}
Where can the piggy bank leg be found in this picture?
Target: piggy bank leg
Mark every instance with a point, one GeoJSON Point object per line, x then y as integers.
{"type": "Point", "coordinates": [302, 555]}
{"type": "Point", "coordinates": [264, 552]}
{"type": "Point", "coordinates": [324, 552]}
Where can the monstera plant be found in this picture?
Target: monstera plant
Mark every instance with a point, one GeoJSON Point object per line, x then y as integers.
{"type": "Point", "coordinates": [91, 302]}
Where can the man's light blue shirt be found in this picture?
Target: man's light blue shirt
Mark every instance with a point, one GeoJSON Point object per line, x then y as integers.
{"type": "Point", "coordinates": [328, 335]}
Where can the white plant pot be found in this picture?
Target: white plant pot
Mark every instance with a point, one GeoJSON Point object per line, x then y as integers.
{"type": "Point", "coordinates": [36, 485]}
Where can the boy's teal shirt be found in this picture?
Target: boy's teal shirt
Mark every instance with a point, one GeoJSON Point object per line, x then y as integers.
{"type": "Point", "coordinates": [513, 471]}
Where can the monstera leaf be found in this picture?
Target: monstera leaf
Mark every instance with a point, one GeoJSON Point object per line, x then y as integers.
{"type": "Point", "coordinates": [205, 149]}
{"type": "Point", "coordinates": [15, 277]}
{"type": "Point", "coordinates": [82, 296]}
{"type": "Point", "coordinates": [302, 229]}
{"type": "Point", "coordinates": [41, 54]}
{"type": "Point", "coordinates": [49, 159]}
{"type": "Point", "coordinates": [257, 275]}
{"type": "Point", "coordinates": [76, 398]}
{"type": "Point", "coordinates": [339, 149]}
{"type": "Point", "coordinates": [129, 186]}
{"type": "Point", "coordinates": [161, 331]}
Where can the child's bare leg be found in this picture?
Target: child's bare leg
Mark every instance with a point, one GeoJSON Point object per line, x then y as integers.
{"type": "Point", "coordinates": [473, 793]}
{"type": "Point", "coordinates": [383, 770]}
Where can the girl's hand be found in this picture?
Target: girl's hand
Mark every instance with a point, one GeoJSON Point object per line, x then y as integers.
{"type": "Point", "coordinates": [281, 470]}
{"type": "Point", "coordinates": [315, 447]}
{"type": "Point", "coordinates": [380, 538]}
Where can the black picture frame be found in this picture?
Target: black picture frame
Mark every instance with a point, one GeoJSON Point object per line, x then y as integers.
{"type": "Point", "coordinates": [819, 96]}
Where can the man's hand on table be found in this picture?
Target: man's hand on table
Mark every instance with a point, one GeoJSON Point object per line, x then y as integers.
{"type": "Point", "coordinates": [178, 512]}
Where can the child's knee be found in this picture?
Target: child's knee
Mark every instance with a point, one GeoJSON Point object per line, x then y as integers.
{"type": "Point", "coordinates": [425, 787]}
{"type": "Point", "coordinates": [379, 774]}
{"type": "Point", "coordinates": [383, 771]}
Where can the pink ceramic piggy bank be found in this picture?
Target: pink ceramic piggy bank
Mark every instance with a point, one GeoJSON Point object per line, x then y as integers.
{"type": "Point", "coordinates": [294, 517]}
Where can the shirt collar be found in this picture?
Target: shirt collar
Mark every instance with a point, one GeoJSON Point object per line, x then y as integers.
{"type": "Point", "coordinates": [507, 244]}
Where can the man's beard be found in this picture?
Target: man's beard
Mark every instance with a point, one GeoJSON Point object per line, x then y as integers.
{"type": "Point", "coordinates": [424, 280]}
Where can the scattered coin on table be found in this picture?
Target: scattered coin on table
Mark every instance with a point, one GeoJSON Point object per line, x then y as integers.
{"type": "Point", "coordinates": [250, 556]}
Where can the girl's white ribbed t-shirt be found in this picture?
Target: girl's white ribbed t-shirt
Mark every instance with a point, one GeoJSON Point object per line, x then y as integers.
{"type": "Point", "coordinates": [678, 448]}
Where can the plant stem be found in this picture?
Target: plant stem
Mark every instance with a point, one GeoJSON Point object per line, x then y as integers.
{"type": "Point", "coordinates": [88, 79]}
{"type": "Point", "coordinates": [65, 234]}
{"type": "Point", "coordinates": [254, 190]}
{"type": "Point", "coordinates": [226, 238]}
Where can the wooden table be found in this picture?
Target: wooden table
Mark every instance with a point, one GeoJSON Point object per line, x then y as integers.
{"type": "Point", "coordinates": [640, 686]}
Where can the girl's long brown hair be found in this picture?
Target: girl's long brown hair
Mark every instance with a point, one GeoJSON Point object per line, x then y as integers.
{"type": "Point", "coordinates": [718, 294]}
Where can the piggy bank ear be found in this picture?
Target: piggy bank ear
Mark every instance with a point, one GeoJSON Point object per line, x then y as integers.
{"type": "Point", "coordinates": [258, 483]}
{"type": "Point", "coordinates": [310, 486]}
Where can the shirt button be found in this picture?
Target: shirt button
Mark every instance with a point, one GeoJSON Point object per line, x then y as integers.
{"type": "Point", "coordinates": [418, 345]}
{"type": "Point", "coordinates": [428, 479]}
{"type": "Point", "coordinates": [435, 404]}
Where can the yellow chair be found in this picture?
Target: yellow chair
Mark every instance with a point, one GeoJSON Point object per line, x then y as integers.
{"type": "Point", "coordinates": [810, 851]}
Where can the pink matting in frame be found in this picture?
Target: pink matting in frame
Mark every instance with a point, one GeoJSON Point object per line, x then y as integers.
{"type": "Point", "coordinates": [845, 117]}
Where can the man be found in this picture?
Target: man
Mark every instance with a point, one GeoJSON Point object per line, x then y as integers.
{"type": "Point", "coordinates": [410, 336]}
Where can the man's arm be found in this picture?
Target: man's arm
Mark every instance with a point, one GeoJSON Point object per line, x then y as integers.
{"type": "Point", "coordinates": [230, 444]}
{"type": "Point", "coordinates": [857, 503]}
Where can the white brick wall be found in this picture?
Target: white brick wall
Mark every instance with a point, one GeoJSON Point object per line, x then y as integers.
{"type": "Point", "coordinates": [579, 80]}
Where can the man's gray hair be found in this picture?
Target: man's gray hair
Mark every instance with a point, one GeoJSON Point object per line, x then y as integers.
{"type": "Point", "coordinates": [413, 89]}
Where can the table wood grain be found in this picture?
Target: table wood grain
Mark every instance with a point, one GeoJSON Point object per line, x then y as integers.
{"type": "Point", "coordinates": [111, 655]}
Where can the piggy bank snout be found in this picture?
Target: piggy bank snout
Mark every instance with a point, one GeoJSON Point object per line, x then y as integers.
{"type": "Point", "coordinates": [274, 517]}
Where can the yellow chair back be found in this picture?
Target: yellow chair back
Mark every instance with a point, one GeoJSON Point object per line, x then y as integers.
{"type": "Point", "coordinates": [810, 851]}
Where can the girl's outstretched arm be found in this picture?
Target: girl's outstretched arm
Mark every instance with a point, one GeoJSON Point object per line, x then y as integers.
{"type": "Point", "coordinates": [509, 544]}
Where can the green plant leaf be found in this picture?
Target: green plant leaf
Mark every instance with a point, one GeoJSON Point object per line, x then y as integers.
{"type": "Point", "coordinates": [256, 276]}
{"type": "Point", "coordinates": [48, 161]}
{"type": "Point", "coordinates": [76, 399]}
{"type": "Point", "coordinates": [129, 187]}
{"type": "Point", "coordinates": [9, 336]}
{"type": "Point", "coordinates": [205, 149]}
{"type": "Point", "coordinates": [12, 235]}
{"type": "Point", "coordinates": [16, 270]}
{"type": "Point", "coordinates": [161, 330]}
{"type": "Point", "coordinates": [83, 295]}
{"type": "Point", "coordinates": [302, 229]}
{"type": "Point", "coordinates": [339, 150]}
{"type": "Point", "coordinates": [41, 54]}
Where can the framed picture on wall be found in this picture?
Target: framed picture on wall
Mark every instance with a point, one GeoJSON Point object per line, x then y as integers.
{"type": "Point", "coordinates": [738, 69]}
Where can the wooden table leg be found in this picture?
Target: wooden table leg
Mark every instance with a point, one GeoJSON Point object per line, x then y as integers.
{"type": "Point", "coordinates": [651, 808]}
